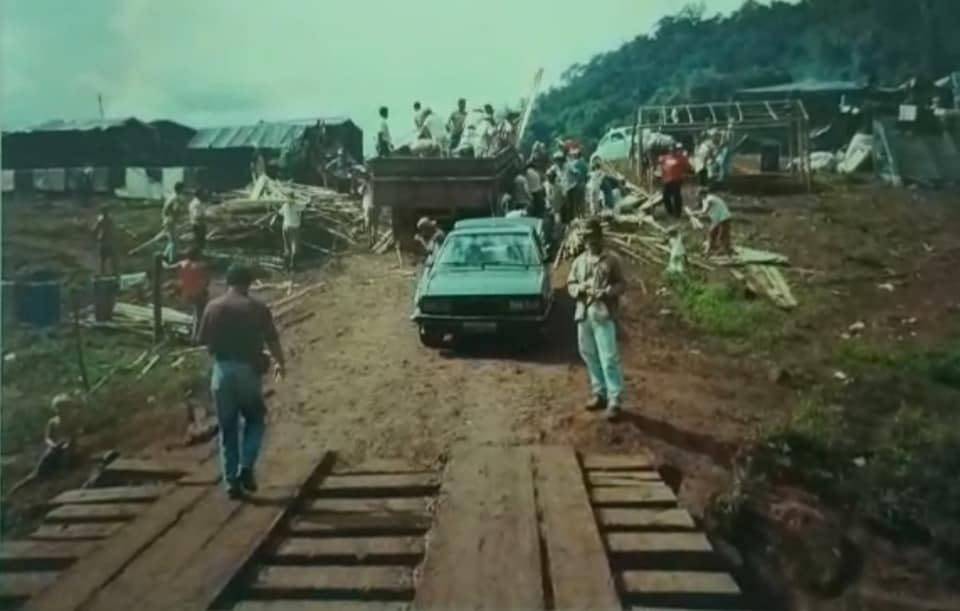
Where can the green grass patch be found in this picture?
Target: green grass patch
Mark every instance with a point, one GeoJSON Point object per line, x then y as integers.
{"type": "Point", "coordinates": [720, 309]}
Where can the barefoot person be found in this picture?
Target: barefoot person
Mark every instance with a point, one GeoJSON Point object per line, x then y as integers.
{"type": "Point", "coordinates": [596, 282]}
{"type": "Point", "coordinates": [234, 328]}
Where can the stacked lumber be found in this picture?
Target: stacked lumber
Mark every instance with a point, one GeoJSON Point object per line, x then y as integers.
{"type": "Point", "coordinates": [138, 320]}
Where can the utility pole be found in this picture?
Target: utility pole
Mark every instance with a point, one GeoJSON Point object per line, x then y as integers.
{"type": "Point", "coordinates": [100, 104]}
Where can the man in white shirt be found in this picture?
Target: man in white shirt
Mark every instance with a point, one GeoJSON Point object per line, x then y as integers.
{"type": "Point", "coordinates": [196, 209]}
{"type": "Point", "coordinates": [291, 211]}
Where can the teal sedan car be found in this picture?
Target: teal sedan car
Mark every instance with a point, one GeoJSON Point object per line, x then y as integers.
{"type": "Point", "coordinates": [489, 277]}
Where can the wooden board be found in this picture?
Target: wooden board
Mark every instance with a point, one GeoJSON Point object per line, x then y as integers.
{"type": "Point", "coordinates": [96, 512]}
{"type": "Point", "coordinates": [148, 468]}
{"type": "Point", "coordinates": [648, 542]}
{"type": "Point", "coordinates": [615, 462]}
{"type": "Point", "coordinates": [359, 524]}
{"type": "Point", "coordinates": [378, 485]}
{"type": "Point", "coordinates": [383, 506]}
{"type": "Point", "coordinates": [47, 554]}
{"type": "Point", "coordinates": [645, 518]}
{"type": "Point", "coordinates": [78, 584]}
{"type": "Point", "coordinates": [112, 494]}
{"type": "Point", "coordinates": [485, 552]}
{"type": "Point", "coordinates": [74, 532]}
{"type": "Point", "coordinates": [579, 570]}
{"type": "Point", "coordinates": [381, 466]}
{"type": "Point", "coordinates": [25, 584]}
{"type": "Point", "coordinates": [320, 605]}
{"type": "Point", "coordinates": [205, 574]}
{"type": "Point", "coordinates": [669, 588]}
{"type": "Point", "coordinates": [644, 493]}
{"type": "Point", "coordinates": [347, 550]}
{"type": "Point", "coordinates": [621, 478]}
{"type": "Point", "coordinates": [372, 581]}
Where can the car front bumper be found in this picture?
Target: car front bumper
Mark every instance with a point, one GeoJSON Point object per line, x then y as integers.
{"type": "Point", "coordinates": [482, 324]}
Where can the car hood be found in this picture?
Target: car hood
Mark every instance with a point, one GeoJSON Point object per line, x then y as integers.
{"type": "Point", "coordinates": [476, 281]}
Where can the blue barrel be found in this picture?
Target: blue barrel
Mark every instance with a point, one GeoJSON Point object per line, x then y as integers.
{"type": "Point", "coordinates": [37, 299]}
{"type": "Point", "coordinates": [105, 289]}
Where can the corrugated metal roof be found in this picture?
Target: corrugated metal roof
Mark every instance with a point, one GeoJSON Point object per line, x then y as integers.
{"type": "Point", "coordinates": [74, 125]}
{"type": "Point", "coordinates": [266, 134]}
{"type": "Point", "coordinates": [807, 86]}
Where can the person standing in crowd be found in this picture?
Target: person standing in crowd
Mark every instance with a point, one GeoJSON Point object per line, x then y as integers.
{"type": "Point", "coordinates": [539, 157]}
{"type": "Point", "coordinates": [717, 211]}
{"type": "Point", "coordinates": [429, 236]}
{"type": "Point", "coordinates": [705, 158]}
{"type": "Point", "coordinates": [291, 213]}
{"type": "Point", "coordinates": [105, 232]}
{"type": "Point", "coordinates": [235, 328]}
{"type": "Point", "coordinates": [456, 123]}
{"type": "Point", "coordinates": [197, 211]}
{"type": "Point", "coordinates": [371, 212]}
{"type": "Point", "coordinates": [170, 215]}
{"type": "Point", "coordinates": [521, 199]}
{"type": "Point", "coordinates": [596, 282]}
{"type": "Point", "coordinates": [594, 191]}
{"type": "Point", "coordinates": [384, 143]}
{"type": "Point", "coordinates": [193, 279]}
{"type": "Point", "coordinates": [538, 193]}
{"type": "Point", "coordinates": [575, 185]}
{"type": "Point", "coordinates": [673, 167]}
{"type": "Point", "coordinates": [555, 198]}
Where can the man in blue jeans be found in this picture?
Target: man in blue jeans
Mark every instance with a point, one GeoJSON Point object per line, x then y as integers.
{"type": "Point", "coordinates": [235, 328]}
{"type": "Point", "coordinates": [596, 282]}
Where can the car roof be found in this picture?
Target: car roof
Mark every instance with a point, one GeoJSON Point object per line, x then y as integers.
{"type": "Point", "coordinates": [496, 229]}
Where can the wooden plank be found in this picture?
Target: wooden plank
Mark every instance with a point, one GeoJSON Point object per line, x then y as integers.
{"type": "Point", "coordinates": [25, 584]}
{"type": "Point", "coordinates": [52, 554]}
{"type": "Point", "coordinates": [680, 587]}
{"type": "Point", "coordinates": [387, 506]}
{"type": "Point", "coordinates": [74, 532]}
{"type": "Point", "coordinates": [144, 467]}
{"type": "Point", "coordinates": [485, 551]}
{"type": "Point", "coordinates": [613, 462]}
{"type": "Point", "coordinates": [621, 478]}
{"type": "Point", "coordinates": [320, 605]}
{"type": "Point", "coordinates": [78, 584]}
{"type": "Point", "coordinates": [359, 524]}
{"type": "Point", "coordinates": [113, 494]}
{"type": "Point", "coordinates": [644, 493]}
{"type": "Point", "coordinates": [647, 542]}
{"type": "Point", "coordinates": [205, 574]}
{"type": "Point", "coordinates": [370, 581]}
{"type": "Point", "coordinates": [379, 466]}
{"type": "Point", "coordinates": [396, 484]}
{"type": "Point", "coordinates": [614, 517]}
{"type": "Point", "coordinates": [99, 512]}
{"type": "Point", "coordinates": [397, 550]}
{"type": "Point", "coordinates": [579, 569]}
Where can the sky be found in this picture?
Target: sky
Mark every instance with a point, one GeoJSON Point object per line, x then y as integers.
{"type": "Point", "coordinates": [233, 62]}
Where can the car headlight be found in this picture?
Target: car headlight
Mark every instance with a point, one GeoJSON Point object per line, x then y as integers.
{"type": "Point", "coordinates": [435, 306]}
{"type": "Point", "coordinates": [524, 305]}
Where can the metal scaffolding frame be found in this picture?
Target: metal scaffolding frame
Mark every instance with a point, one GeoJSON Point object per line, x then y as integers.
{"type": "Point", "coordinates": [740, 116]}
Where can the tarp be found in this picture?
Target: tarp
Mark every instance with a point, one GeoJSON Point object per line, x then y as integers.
{"type": "Point", "coordinates": [137, 185]}
{"type": "Point", "coordinates": [50, 179]}
{"type": "Point", "coordinates": [858, 152]}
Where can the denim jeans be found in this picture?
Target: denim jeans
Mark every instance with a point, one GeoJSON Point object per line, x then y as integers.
{"type": "Point", "coordinates": [597, 339]}
{"type": "Point", "coordinates": [238, 393]}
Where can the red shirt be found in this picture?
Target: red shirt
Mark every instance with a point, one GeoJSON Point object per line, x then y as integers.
{"type": "Point", "coordinates": [673, 167]}
{"type": "Point", "coordinates": [193, 279]}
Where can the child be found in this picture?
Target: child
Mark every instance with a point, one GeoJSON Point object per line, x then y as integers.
{"type": "Point", "coordinates": [194, 283]}
{"type": "Point", "coordinates": [678, 253]}
{"type": "Point", "coordinates": [58, 439]}
{"type": "Point", "coordinates": [717, 211]}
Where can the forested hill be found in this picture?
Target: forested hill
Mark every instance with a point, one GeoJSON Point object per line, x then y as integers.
{"type": "Point", "coordinates": [691, 56]}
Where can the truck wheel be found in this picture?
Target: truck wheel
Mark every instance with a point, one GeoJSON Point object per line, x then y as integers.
{"type": "Point", "coordinates": [431, 337]}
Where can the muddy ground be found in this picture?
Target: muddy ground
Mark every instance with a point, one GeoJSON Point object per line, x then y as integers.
{"type": "Point", "coordinates": [359, 381]}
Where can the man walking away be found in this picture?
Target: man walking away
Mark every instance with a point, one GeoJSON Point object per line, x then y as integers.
{"type": "Point", "coordinates": [596, 282]}
{"type": "Point", "coordinates": [291, 213]}
{"type": "Point", "coordinates": [673, 167]}
{"type": "Point", "coordinates": [456, 122]}
{"type": "Point", "coordinates": [715, 209]}
{"type": "Point", "coordinates": [234, 328]}
{"type": "Point", "coordinates": [105, 232]}
{"type": "Point", "coordinates": [384, 143]}
{"type": "Point", "coordinates": [194, 281]}
{"type": "Point", "coordinates": [538, 193]}
{"type": "Point", "coordinates": [197, 211]}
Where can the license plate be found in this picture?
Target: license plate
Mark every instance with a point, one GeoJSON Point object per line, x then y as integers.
{"type": "Point", "coordinates": [480, 327]}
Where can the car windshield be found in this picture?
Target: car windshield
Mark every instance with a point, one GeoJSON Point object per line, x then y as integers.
{"type": "Point", "coordinates": [489, 249]}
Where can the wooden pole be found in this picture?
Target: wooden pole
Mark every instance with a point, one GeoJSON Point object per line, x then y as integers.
{"type": "Point", "coordinates": [157, 298]}
{"type": "Point", "coordinates": [79, 344]}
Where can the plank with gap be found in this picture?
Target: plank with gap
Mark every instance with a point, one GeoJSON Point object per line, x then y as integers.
{"type": "Point", "coordinates": [38, 552]}
{"type": "Point", "coordinates": [614, 462]}
{"type": "Point", "coordinates": [145, 467]}
{"type": "Point", "coordinates": [112, 494]}
{"type": "Point", "coordinates": [394, 484]}
{"type": "Point", "coordinates": [74, 532]}
{"type": "Point", "coordinates": [642, 493]}
{"type": "Point", "coordinates": [383, 581]}
{"type": "Point", "coordinates": [83, 580]}
{"type": "Point", "coordinates": [358, 549]}
{"type": "Point", "coordinates": [613, 517]}
{"type": "Point", "coordinates": [621, 478]}
{"type": "Point", "coordinates": [25, 584]}
{"type": "Point", "coordinates": [640, 542]}
{"type": "Point", "coordinates": [485, 550]}
{"type": "Point", "coordinates": [96, 512]}
{"type": "Point", "coordinates": [379, 466]}
{"type": "Point", "coordinates": [320, 605]}
{"type": "Point", "coordinates": [358, 524]}
{"type": "Point", "coordinates": [382, 506]}
{"type": "Point", "coordinates": [700, 583]}
{"type": "Point", "coordinates": [204, 575]}
{"type": "Point", "coordinates": [579, 570]}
